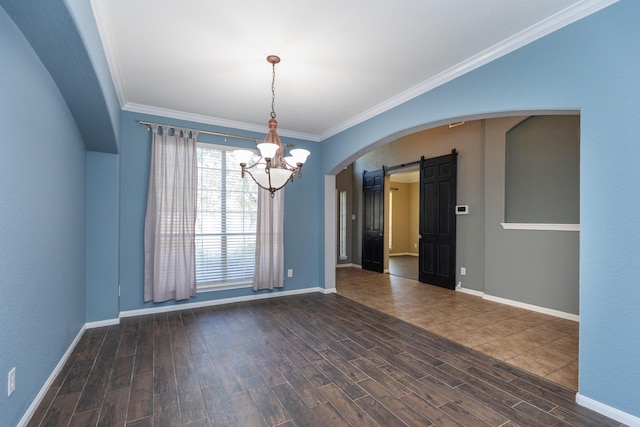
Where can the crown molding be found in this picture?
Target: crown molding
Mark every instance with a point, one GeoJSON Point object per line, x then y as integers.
{"type": "Point", "coordinates": [553, 23]}
{"type": "Point", "coordinates": [199, 118]}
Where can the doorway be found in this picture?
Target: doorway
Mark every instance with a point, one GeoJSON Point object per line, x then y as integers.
{"type": "Point", "coordinates": [493, 256]}
{"type": "Point", "coordinates": [419, 220]}
{"type": "Point", "coordinates": [404, 221]}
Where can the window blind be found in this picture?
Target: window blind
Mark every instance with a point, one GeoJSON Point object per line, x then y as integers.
{"type": "Point", "coordinates": [226, 219]}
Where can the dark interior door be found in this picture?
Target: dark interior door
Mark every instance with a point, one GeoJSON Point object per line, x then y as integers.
{"type": "Point", "coordinates": [437, 247]}
{"type": "Point", "coordinates": [373, 220]}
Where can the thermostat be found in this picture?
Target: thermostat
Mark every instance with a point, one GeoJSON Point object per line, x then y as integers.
{"type": "Point", "coordinates": [462, 209]}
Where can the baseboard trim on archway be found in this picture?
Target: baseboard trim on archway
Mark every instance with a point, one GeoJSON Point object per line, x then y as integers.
{"type": "Point", "coordinates": [607, 410]}
{"type": "Point", "coordinates": [530, 307]}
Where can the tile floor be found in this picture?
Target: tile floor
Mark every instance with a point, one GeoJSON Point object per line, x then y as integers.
{"type": "Point", "coordinates": [544, 345]}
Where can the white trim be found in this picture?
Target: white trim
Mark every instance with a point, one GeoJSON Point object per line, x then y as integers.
{"type": "Point", "coordinates": [199, 118]}
{"type": "Point", "coordinates": [404, 254]}
{"type": "Point", "coordinates": [101, 323]}
{"type": "Point", "coordinates": [187, 306]}
{"type": "Point", "coordinates": [531, 307]}
{"type": "Point", "coordinates": [607, 410]}
{"type": "Point", "coordinates": [47, 385]}
{"type": "Point", "coordinates": [469, 291]}
{"type": "Point", "coordinates": [543, 227]}
{"type": "Point", "coordinates": [344, 265]}
{"type": "Point", "coordinates": [518, 304]}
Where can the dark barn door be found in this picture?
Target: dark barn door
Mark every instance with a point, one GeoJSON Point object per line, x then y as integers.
{"type": "Point", "coordinates": [437, 247]}
{"type": "Point", "coordinates": [373, 220]}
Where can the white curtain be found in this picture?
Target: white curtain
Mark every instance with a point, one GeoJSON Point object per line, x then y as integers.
{"type": "Point", "coordinates": [169, 225]}
{"type": "Point", "coordinates": [269, 268]}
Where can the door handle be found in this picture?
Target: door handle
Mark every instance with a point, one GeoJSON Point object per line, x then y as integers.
{"type": "Point", "coordinates": [380, 234]}
{"type": "Point", "coordinates": [419, 236]}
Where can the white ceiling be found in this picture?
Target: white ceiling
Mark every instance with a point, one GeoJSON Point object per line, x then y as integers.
{"type": "Point", "coordinates": [342, 61]}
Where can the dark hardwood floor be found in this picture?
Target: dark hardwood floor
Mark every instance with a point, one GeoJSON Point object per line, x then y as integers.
{"type": "Point", "coordinates": [308, 360]}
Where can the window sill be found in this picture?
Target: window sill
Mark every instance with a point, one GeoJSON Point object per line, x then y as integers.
{"type": "Point", "coordinates": [222, 287]}
{"type": "Point", "coordinates": [539, 227]}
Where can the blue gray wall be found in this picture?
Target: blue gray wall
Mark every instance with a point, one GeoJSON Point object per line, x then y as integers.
{"type": "Point", "coordinates": [42, 223]}
{"type": "Point", "coordinates": [102, 237]}
{"type": "Point", "coordinates": [588, 66]}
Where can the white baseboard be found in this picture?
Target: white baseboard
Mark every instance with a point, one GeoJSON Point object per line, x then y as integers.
{"type": "Point", "coordinates": [187, 306]}
{"type": "Point", "coordinates": [101, 323]}
{"type": "Point", "coordinates": [348, 265]}
{"type": "Point", "coordinates": [45, 388]}
{"type": "Point", "coordinates": [470, 291]}
{"type": "Point", "coordinates": [404, 254]}
{"type": "Point", "coordinates": [607, 410]}
{"type": "Point", "coordinates": [536, 308]}
{"type": "Point", "coordinates": [530, 307]}
{"type": "Point", "coordinates": [344, 265]}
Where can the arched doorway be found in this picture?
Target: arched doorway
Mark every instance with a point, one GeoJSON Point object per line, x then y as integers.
{"type": "Point", "coordinates": [486, 269]}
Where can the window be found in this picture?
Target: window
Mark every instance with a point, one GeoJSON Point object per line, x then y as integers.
{"type": "Point", "coordinates": [343, 225]}
{"type": "Point", "coordinates": [225, 222]}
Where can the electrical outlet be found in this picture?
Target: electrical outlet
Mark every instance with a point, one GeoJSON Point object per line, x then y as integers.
{"type": "Point", "coordinates": [11, 382]}
{"type": "Point", "coordinates": [463, 271]}
{"type": "Point", "coordinates": [290, 272]}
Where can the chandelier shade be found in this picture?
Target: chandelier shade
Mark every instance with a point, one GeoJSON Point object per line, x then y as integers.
{"type": "Point", "coordinates": [272, 170]}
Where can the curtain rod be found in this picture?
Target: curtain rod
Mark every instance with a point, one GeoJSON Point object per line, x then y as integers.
{"type": "Point", "coordinates": [208, 132]}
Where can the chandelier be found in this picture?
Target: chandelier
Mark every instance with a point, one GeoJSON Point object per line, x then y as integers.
{"type": "Point", "coordinates": [273, 170]}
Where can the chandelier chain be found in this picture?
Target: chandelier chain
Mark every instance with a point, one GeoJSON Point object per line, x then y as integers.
{"type": "Point", "coordinates": [273, 91]}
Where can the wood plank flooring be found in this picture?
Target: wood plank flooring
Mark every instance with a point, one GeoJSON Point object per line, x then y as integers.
{"type": "Point", "coordinates": [307, 360]}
